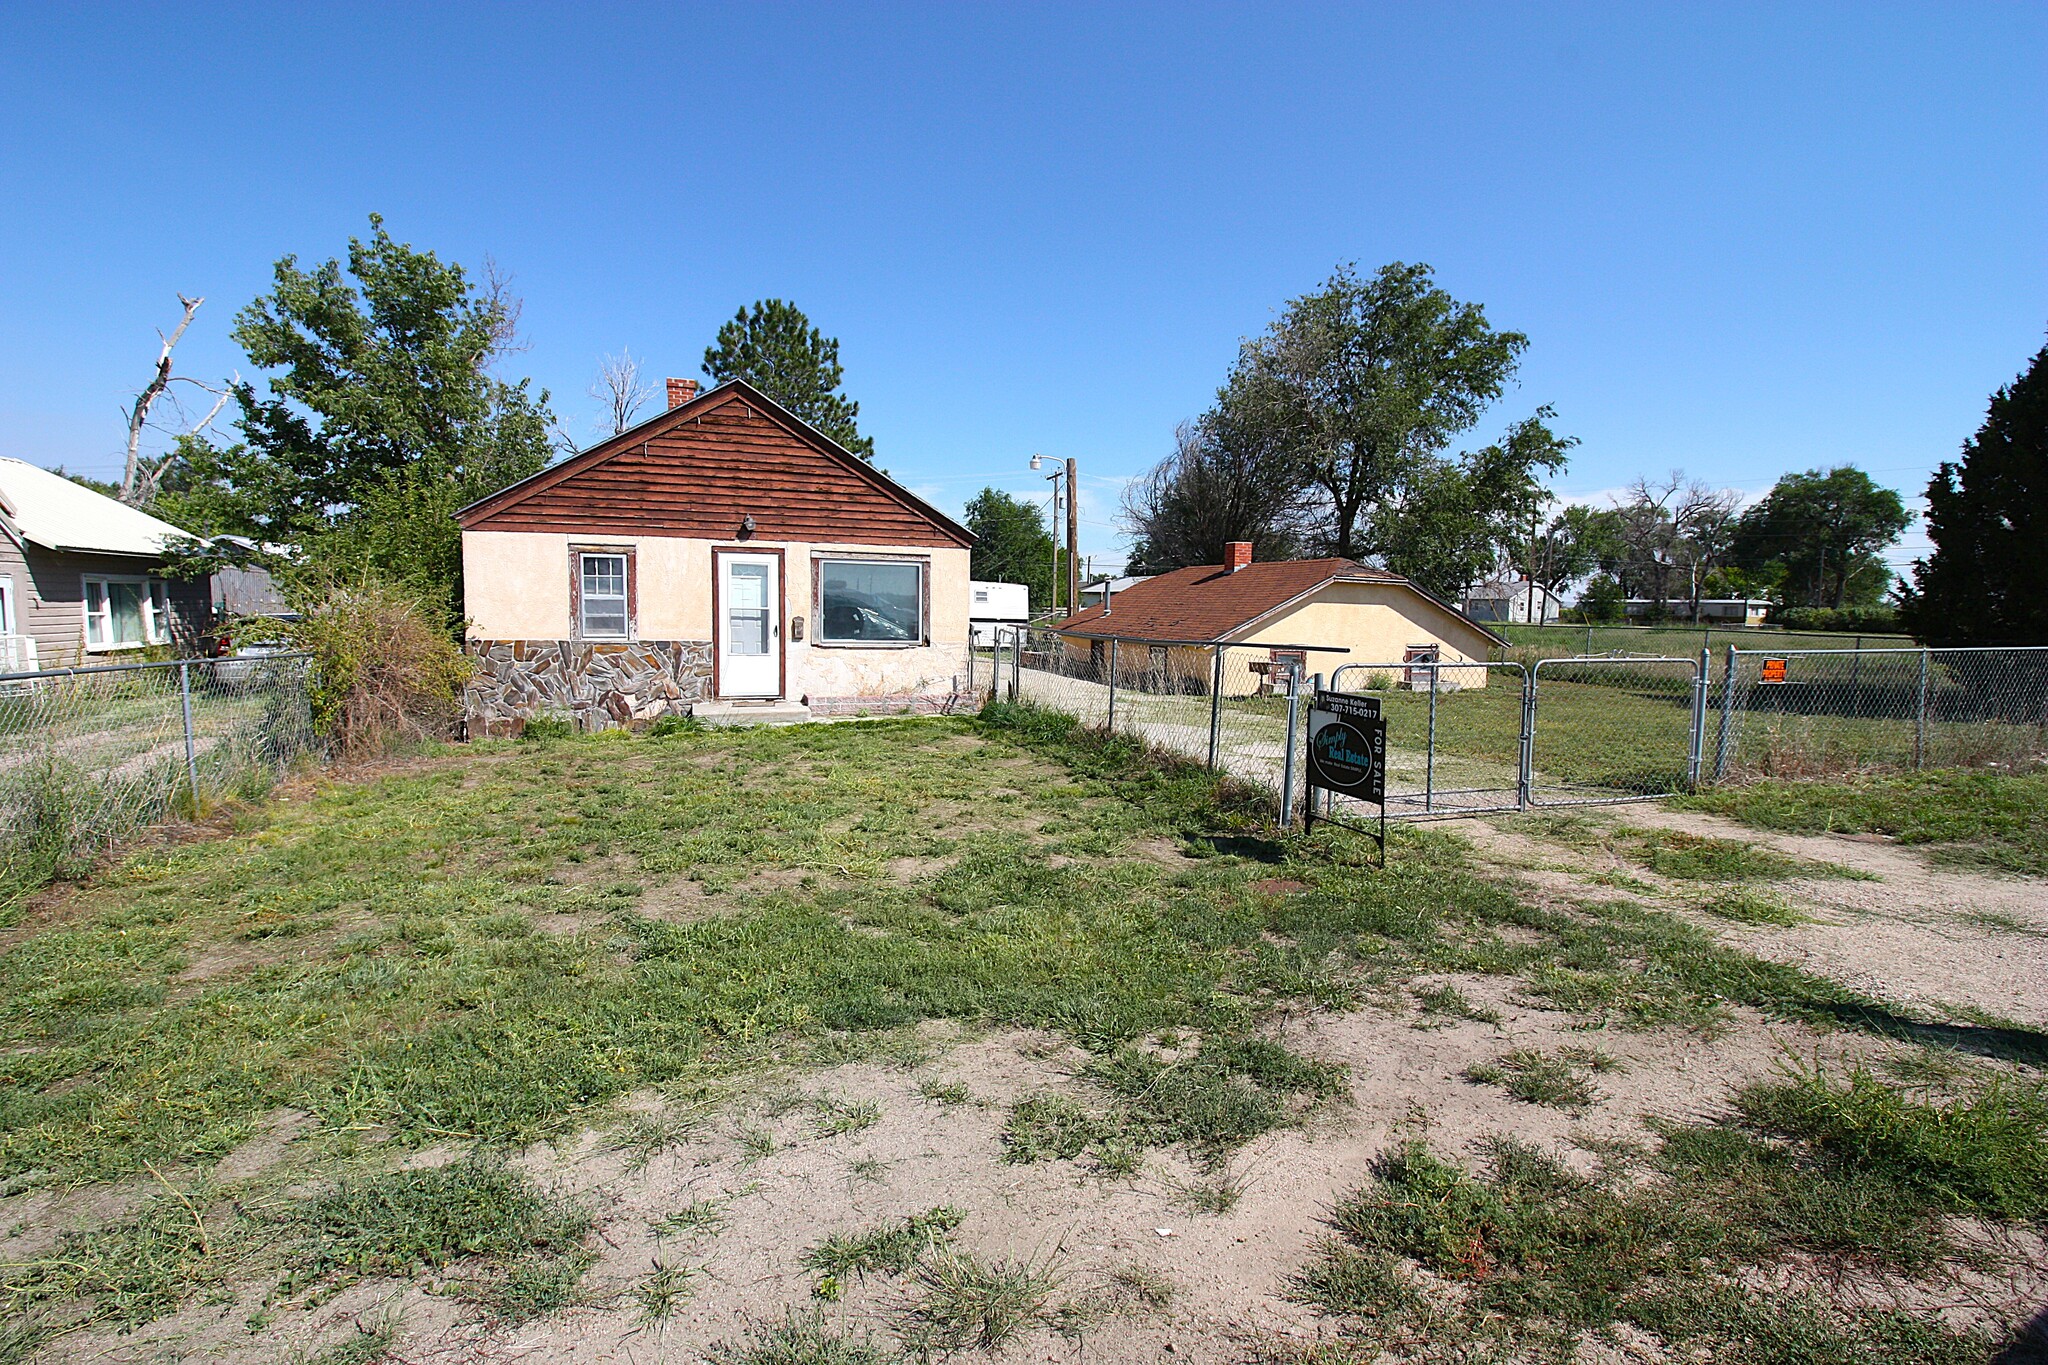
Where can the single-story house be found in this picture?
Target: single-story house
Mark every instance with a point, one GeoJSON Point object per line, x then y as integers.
{"type": "Point", "coordinates": [724, 559]}
{"type": "Point", "coordinates": [1717, 611]}
{"type": "Point", "coordinates": [1171, 619]}
{"type": "Point", "coordinates": [1091, 593]}
{"type": "Point", "coordinates": [1515, 600]}
{"type": "Point", "coordinates": [81, 576]}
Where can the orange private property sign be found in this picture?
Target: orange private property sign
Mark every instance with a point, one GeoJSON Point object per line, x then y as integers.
{"type": "Point", "coordinates": [1774, 671]}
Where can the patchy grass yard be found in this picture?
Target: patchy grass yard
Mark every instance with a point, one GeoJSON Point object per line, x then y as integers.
{"type": "Point", "coordinates": [697, 1036]}
{"type": "Point", "coordinates": [1961, 816]}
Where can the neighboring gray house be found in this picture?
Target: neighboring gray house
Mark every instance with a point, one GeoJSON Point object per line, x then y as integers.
{"type": "Point", "coordinates": [1091, 593]}
{"type": "Point", "coordinates": [81, 576]}
{"type": "Point", "coordinates": [1514, 600]}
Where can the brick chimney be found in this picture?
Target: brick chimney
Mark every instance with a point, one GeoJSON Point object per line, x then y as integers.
{"type": "Point", "coordinates": [681, 391]}
{"type": "Point", "coordinates": [1237, 554]}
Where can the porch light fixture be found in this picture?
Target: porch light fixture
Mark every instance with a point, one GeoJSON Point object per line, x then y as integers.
{"type": "Point", "coordinates": [747, 525]}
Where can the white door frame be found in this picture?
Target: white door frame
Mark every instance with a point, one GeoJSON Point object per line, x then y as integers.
{"type": "Point", "coordinates": [751, 677]}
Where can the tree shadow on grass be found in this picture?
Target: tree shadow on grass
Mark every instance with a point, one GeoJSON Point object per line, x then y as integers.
{"type": "Point", "coordinates": [1243, 846]}
{"type": "Point", "coordinates": [2028, 1344]}
{"type": "Point", "coordinates": [2029, 1047]}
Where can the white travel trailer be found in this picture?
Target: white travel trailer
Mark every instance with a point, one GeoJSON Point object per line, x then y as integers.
{"type": "Point", "coordinates": [995, 606]}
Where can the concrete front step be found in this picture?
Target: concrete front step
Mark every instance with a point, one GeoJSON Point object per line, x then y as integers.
{"type": "Point", "coordinates": [751, 712]}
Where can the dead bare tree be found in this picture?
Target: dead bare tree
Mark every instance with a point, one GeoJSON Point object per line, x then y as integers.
{"type": "Point", "coordinates": [505, 308]}
{"type": "Point", "coordinates": [619, 386]}
{"type": "Point", "coordinates": [143, 475]}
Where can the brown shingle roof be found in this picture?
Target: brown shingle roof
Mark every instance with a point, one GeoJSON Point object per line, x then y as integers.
{"type": "Point", "coordinates": [1208, 602]}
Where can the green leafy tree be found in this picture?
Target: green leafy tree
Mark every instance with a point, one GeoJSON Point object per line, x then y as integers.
{"type": "Point", "coordinates": [1987, 515]}
{"type": "Point", "coordinates": [1451, 521]}
{"type": "Point", "coordinates": [1367, 381]}
{"type": "Point", "coordinates": [380, 417]}
{"type": "Point", "coordinates": [1603, 599]}
{"type": "Point", "coordinates": [774, 347]}
{"type": "Point", "coordinates": [1817, 537]}
{"type": "Point", "coordinates": [1011, 544]}
{"type": "Point", "coordinates": [1571, 545]}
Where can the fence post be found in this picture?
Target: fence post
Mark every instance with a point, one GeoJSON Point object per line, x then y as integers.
{"type": "Point", "coordinates": [191, 748]}
{"type": "Point", "coordinates": [1429, 756]}
{"type": "Point", "coordinates": [1920, 718]}
{"type": "Point", "coordinates": [1525, 755]}
{"type": "Point", "coordinates": [1215, 706]}
{"type": "Point", "coordinates": [1696, 750]}
{"type": "Point", "coordinates": [1287, 758]}
{"type": "Point", "coordinates": [1016, 665]}
{"type": "Point", "coordinates": [1725, 740]}
{"type": "Point", "coordinates": [970, 665]}
{"type": "Point", "coordinates": [1111, 725]}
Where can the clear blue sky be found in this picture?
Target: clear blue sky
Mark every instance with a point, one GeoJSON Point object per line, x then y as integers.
{"type": "Point", "coordinates": [1741, 239]}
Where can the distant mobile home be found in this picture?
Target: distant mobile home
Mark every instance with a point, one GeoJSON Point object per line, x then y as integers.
{"type": "Point", "coordinates": [996, 606]}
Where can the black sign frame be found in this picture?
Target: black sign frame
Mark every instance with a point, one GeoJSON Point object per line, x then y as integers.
{"type": "Point", "coordinates": [1347, 756]}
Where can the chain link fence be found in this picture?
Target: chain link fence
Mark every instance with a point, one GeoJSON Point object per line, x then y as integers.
{"type": "Point", "coordinates": [1470, 738]}
{"type": "Point", "coordinates": [1454, 733]}
{"type": "Point", "coordinates": [1821, 713]}
{"type": "Point", "coordinates": [1606, 730]}
{"type": "Point", "coordinates": [90, 754]}
{"type": "Point", "coordinates": [1528, 643]}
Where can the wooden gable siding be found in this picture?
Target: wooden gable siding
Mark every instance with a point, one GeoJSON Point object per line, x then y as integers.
{"type": "Point", "coordinates": [701, 477]}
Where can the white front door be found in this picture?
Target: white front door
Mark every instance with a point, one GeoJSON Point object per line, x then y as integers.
{"type": "Point", "coordinates": [747, 606]}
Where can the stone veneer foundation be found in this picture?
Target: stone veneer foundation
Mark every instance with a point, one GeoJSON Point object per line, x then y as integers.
{"type": "Point", "coordinates": [597, 685]}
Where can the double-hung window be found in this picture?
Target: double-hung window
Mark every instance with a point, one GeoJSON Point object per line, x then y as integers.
{"type": "Point", "coordinates": [126, 613]}
{"type": "Point", "coordinates": [602, 596]}
{"type": "Point", "coordinates": [871, 601]}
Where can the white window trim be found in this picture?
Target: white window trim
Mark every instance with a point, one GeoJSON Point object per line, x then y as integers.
{"type": "Point", "coordinates": [624, 599]}
{"type": "Point", "coordinates": [156, 623]}
{"type": "Point", "coordinates": [820, 563]}
{"type": "Point", "coordinates": [8, 611]}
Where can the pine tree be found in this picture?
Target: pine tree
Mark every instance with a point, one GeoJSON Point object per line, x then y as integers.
{"type": "Point", "coordinates": [1987, 581]}
{"type": "Point", "coordinates": [774, 347]}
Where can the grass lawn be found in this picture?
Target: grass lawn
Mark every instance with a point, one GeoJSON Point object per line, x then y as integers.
{"type": "Point", "coordinates": [1965, 817]}
{"type": "Point", "coordinates": [490, 947]}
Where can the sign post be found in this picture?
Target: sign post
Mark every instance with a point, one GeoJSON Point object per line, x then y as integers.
{"type": "Point", "coordinates": [1347, 755]}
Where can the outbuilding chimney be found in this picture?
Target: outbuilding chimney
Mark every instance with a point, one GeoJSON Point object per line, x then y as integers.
{"type": "Point", "coordinates": [681, 391]}
{"type": "Point", "coordinates": [1237, 554]}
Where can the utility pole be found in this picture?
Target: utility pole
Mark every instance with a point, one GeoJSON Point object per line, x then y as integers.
{"type": "Point", "coordinates": [1073, 539]}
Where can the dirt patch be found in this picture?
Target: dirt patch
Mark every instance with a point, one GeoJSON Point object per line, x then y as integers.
{"type": "Point", "coordinates": [266, 1149]}
{"type": "Point", "coordinates": [1278, 886]}
{"type": "Point", "coordinates": [1162, 850]}
{"type": "Point", "coordinates": [1916, 935]}
{"type": "Point", "coordinates": [1919, 933]}
{"type": "Point", "coordinates": [682, 900]}
{"type": "Point", "coordinates": [904, 871]}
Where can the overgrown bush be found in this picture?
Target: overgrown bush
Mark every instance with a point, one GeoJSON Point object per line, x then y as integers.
{"type": "Point", "coordinates": [386, 672]}
{"type": "Point", "coordinates": [1852, 620]}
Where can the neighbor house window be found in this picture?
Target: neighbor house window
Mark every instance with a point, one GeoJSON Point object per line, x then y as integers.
{"type": "Point", "coordinates": [601, 600]}
{"type": "Point", "coordinates": [871, 601]}
{"type": "Point", "coordinates": [126, 613]}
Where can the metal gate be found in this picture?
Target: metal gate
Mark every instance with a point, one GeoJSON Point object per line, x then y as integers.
{"type": "Point", "coordinates": [1613, 729]}
{"type": "Point", "coordinates": [1456, 733]}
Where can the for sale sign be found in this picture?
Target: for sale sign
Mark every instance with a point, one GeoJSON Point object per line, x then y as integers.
{"type": "Point", "coordinates": [1347, 746]}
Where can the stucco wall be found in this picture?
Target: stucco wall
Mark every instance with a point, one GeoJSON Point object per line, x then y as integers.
{"type": "Point", "coordinates": [1378, 623]}
{"type": "Point", "coordinates": [516, 587]}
